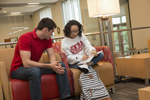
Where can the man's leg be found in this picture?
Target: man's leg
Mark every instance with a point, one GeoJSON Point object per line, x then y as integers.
{"type": "Point", "coordinates": [33, 75]}
{"type": "Point", "coordinates": [62, 81]}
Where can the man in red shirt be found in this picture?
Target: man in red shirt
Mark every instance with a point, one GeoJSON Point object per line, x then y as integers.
{"type": "Point", "coordinates": [28, 51]}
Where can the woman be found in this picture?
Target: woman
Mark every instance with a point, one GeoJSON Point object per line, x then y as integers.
{"type": "Point", "coordinates": [77, 47]}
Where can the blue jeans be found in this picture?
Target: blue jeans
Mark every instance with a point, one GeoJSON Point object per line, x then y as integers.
{"type": "Point", "coordinates": [33, 75]}
{"type": "Point", "coordinates": [94, 61]}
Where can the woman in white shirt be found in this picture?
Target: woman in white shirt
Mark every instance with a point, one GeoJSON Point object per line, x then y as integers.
{"type": "Point", "coordinates": [77, 47]}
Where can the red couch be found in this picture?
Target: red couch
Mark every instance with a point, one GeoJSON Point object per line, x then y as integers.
{"type": "Point", "coordinates": [19, 89]}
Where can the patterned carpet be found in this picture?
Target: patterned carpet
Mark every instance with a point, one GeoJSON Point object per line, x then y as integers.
{"type": "Point", "coordinates": [127, 89]}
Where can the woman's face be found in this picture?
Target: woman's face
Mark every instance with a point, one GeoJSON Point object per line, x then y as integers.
{"type": "Point", "coordinates": [74, 31]}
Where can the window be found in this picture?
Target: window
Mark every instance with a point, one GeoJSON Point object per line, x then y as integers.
{"type": "Point", "coordinates": [45, 13]}
{"type": "Point", "coordinates": [116, 20]}
{"type": "Point", "coordinates": [71, 10]}
{"type": "Point", "coordinates": [119, 22]}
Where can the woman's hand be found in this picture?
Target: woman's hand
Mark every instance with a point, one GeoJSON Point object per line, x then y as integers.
{"type": "Point", "coordinates": [94, 52]}
{"type": "Point", "coordinates": [85, 57]}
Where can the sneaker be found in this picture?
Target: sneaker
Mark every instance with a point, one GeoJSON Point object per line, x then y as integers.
{"type": "Point", "coordinates": [84, 68]}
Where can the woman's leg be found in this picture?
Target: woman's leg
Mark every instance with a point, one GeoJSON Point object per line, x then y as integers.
{"type": "Point", "coordinates": [73, 65]}
{"type": "Point", "coordinates": [96, 59]}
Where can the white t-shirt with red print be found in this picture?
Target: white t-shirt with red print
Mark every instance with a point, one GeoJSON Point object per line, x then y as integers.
{"type": "Point", "coordinates": [76, 48]}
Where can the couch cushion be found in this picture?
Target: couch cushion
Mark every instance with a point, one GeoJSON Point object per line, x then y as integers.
{"type": "Point", "coordinates": [49, 88]}
{"type": "Point", "coordinates": [106, 73]}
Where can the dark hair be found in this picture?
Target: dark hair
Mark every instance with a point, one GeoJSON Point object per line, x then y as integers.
{"type": "Point", "coordinates": [67, 30]}
{"type": "Point", "coordinates": [46, 22]}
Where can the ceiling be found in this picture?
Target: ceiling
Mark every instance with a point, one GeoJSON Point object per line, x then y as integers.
{"type": "Point", "coordinates": [22, 6]}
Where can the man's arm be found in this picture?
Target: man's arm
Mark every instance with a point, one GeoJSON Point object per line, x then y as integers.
{"type": "Point", "coordinates": [51, 54]}
{"type": "Point", "coordinates": [25, 56]}
{"type": "Point", "coordinates": [27, 63]}
{"type": "Point", "coordinates": [52, 58]}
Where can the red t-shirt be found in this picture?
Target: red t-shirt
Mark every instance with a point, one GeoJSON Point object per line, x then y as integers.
{"type": "Point", "coordinates": [29, 42]}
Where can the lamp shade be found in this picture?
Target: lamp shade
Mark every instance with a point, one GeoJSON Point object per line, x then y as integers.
{"type": "Point", "coordinates": [98, 8]}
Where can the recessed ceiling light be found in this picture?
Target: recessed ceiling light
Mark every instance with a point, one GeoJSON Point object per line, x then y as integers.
{"type": "Point", "coordinates": [4, 11]}
{"type": "Point", "coordinates": [33, 3]}
{"type": "Point", "coordinates": [15, 12]}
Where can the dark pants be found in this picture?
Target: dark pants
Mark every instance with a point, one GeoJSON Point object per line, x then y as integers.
{"type": "Point", "coordinates": [33, 75]}
{"type": "Point", "coordinates": [95, 60]}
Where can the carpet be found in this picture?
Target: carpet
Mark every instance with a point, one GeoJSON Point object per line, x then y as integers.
{"type": "Point", "coordinates": [127, 89]}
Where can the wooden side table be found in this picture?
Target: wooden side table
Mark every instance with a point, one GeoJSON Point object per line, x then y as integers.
{"type": "Point", "coordinates": [144, 93]}
{"type": "Point", "coordinates": [134, 66]}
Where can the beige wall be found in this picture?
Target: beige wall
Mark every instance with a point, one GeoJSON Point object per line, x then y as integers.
{"type": "Point", "coordinates": [139, 12]}
{"type": "Point", "coordinates": [140, 17]}
{"type": "Point", "coordinates": [56, 16]}
{"type": "Point", "coordinates": [8, 21]}
{"type": "Point", "coordinates": [36, 19]}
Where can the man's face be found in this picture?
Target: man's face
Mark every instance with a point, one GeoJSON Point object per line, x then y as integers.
{"type": "Point", "coordinates": [49, 33]}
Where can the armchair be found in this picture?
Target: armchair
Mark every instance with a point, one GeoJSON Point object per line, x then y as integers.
{"type": "Point", "coordinates": [104, 67]}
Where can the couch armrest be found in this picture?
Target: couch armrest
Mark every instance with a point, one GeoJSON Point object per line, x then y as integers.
{"type": "Point", "coordinates": [107, 54]}
{"type": "Point", "coordinates": [1, 93]}
{"type": "Point", "coordinates": [69, 72]}
{"type": "Point", "coordinates": [5, 80]}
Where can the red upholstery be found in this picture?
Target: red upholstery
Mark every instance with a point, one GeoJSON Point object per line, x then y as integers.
{"type": "Point", "coordinates": [107, 54]}
{"type": "Point", "coordinates": [49, 88]}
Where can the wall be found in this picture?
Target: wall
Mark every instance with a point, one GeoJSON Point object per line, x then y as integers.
{"type": "Point", "coordinates": [56, 16]}
{"type": "Point", "coordinates": [139, 12]}
{"type": "Point", "coordinates": [36, 18]}
{"type": "Point", "coordinates": [140, 17]}
{"type": "Point", "coordinates": [11, 21]}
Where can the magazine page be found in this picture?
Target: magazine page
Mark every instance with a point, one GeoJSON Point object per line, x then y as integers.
{"type": "Point", "coordinates": [89, 59]}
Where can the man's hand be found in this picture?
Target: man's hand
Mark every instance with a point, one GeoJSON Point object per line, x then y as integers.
{"type": "Point", "coordinates": [56, 66]}
{"type": "Point", "coordinates": [94, 52]}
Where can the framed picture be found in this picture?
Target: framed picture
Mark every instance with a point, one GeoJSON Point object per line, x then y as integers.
{"type": "Point", "coordinates": [13, 39]}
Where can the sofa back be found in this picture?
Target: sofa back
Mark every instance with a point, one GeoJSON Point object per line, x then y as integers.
{"type": "Point", "coordinates": [106, 50]}
{"type": "Point", "coordinates": [6, 55]}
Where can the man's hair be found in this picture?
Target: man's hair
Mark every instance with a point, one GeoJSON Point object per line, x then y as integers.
{"type": "Point", "coordinates": [46, 22]}
{"type": "Point", "coordinates": [67, 30]}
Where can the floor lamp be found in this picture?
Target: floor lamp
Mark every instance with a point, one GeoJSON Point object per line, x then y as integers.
{"type": "Point", "coordinates": [100, 9]}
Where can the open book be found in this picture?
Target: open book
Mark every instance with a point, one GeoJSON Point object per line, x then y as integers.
{"type": "Point", "coordinates": [89, 59]}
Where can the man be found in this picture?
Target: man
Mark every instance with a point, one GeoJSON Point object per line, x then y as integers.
{"type": "Point", "coordinates": [28, 51]}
